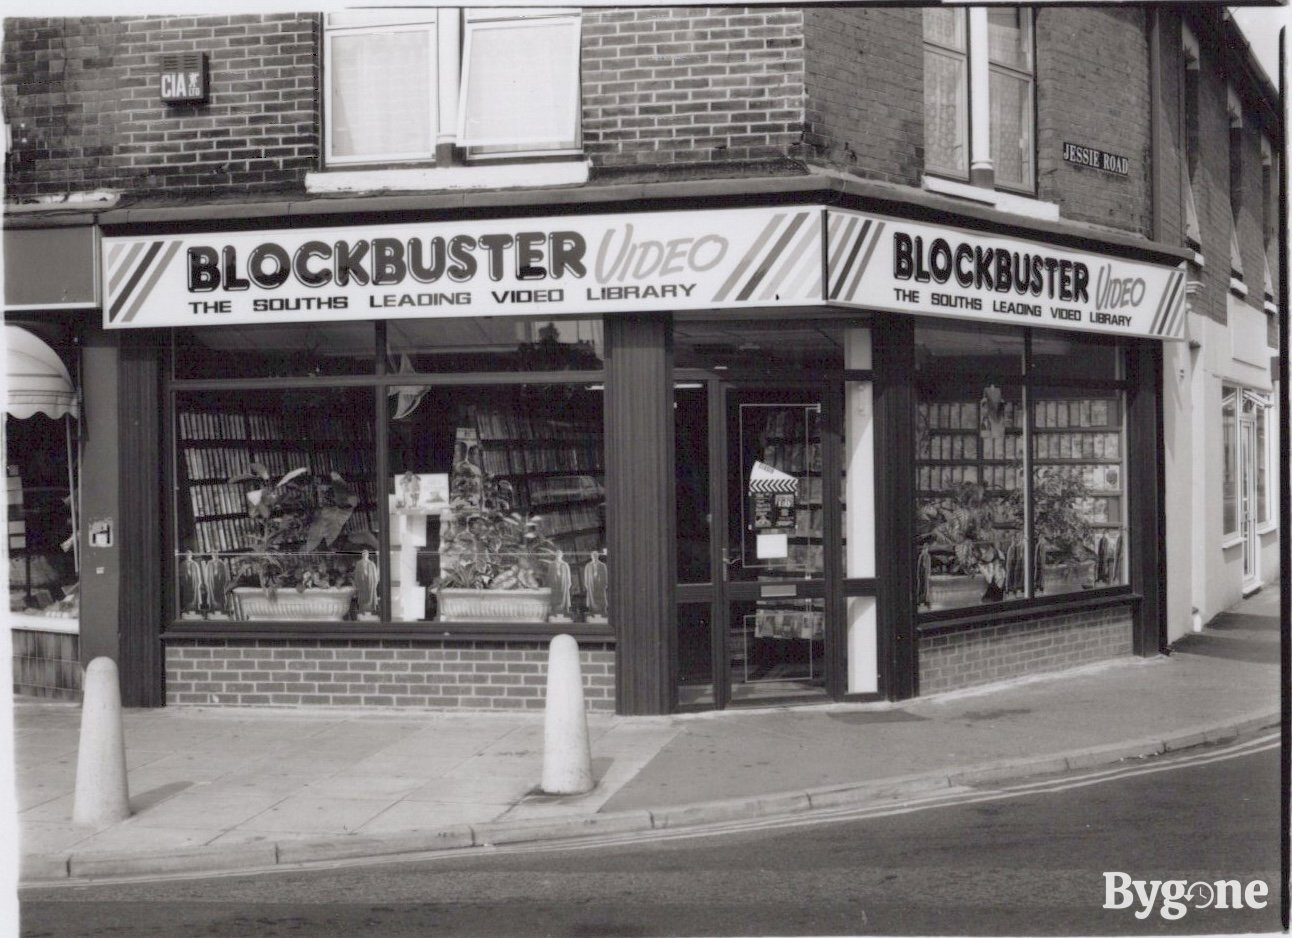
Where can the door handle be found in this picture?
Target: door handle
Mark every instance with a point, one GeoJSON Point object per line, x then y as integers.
{"type": "Point", "coordinates": [728, 561]}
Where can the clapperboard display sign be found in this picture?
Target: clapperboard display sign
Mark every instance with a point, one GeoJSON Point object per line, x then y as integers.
{"type": "Point", "coordinates": [772, 514]}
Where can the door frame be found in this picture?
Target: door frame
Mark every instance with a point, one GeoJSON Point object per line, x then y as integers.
{"type": "Point", "coordinates": [1247, 465]}
{"type": "Point", "coordinates": [720, 592]}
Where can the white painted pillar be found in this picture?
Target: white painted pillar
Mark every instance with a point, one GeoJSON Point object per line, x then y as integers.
{"type": "Point", "coordinates": [859, 519]}
{"type": "Point", "coordinates": [980, 165]}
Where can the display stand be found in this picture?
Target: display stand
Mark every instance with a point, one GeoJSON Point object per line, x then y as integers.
{"type": "Point", "coordinates": [408, 536]}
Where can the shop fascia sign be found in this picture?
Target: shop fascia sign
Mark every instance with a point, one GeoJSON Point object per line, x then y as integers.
{"type": "Point", "coordinates": [877, 262]}
{"type": "Point", "coordinates": [530, 266]}
{"type": "Point", "coordinates": [588, 265]}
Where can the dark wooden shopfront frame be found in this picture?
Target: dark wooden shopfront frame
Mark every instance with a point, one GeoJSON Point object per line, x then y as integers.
{"type": "Point", "coordinates": [642, 621]}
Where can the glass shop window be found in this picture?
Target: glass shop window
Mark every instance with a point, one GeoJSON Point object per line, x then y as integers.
{"type": "Point", "coordinates": [43, 556]}
{"type": "Point", "coordinates": [497, 504]}
{"type": "Point", "coordinates": [1020, 465]}
{"type": "Point", "coordinates": [438, 346]}
{"type": "Point", "coordinates": [280, 350]}
{"type": "Point", "coordinates": [970, 474]}
{"type": "Point", "coordinates": [1072, 356]}
{"type": "Point", "coordinates": [1078, 494]}
{"type": "Point", "coordinates": [975, 349]}
{"type": "Point", "coordinates": [277, 513]}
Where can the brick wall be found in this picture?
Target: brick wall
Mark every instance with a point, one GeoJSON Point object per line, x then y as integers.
{"type": "Point", "coordinates": [1014, 649]}
{"type": "Point", "coordinates": [81, 96]}
{"type": "Point", "coordinates": [1086, 55]}
{"type": "Point", "coordinates": [865, 88]}
{"type": "Point", "coordinates": [371, 673]}
{"type": "Point", "coordinates": [687, 85]}
{"type": "Point", "coordinates": [1211, 192]}
{"type": "Point", "coordinates": [47, 664]}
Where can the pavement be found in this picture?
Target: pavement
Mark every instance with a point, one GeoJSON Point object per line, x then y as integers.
{"type": "Point", "coordinates": [234, 790]}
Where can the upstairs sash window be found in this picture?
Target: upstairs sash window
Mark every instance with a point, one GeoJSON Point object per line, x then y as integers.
{"type": "Point", "coordinates": [400, 83]}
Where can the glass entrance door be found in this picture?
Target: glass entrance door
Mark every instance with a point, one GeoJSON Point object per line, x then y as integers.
{"type": "Point", "coordinates": [752, 621]}
{"type": "Point", "coordinates": [774, 555]}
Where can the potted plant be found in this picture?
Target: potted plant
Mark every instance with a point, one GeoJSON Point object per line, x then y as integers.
{"type": "Point", "coordinates": [1064, 536]}
{"type": "Point", "coordinates": [284, 574]}
{"type": "Point", "coordinates": [969, 547]}
{"type": "Point", "coordinates": [495, 563]}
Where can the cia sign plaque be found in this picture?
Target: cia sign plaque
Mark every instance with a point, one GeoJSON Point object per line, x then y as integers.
{"type": "Point", "coordinates": [183, 79]}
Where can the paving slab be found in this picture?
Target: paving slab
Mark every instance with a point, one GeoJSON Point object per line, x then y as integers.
{"type": "Point", "coordinates": [252, 786]}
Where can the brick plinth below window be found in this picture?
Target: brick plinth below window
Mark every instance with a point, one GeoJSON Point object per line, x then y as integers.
{"type": "Point", "coordinates": [1016, 649]}
{"type": "Point", "coordinates": [363, 673]}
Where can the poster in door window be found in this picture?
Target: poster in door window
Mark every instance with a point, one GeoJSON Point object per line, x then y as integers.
{"type": "Point", "coordinates": [780, 456]}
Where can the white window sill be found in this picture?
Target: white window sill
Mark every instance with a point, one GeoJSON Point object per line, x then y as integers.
{"type": "Point", "coordinates": [1237, 287]}
{"type": "Point", "coordinates": [507, 176]}
{"type": "Point", "coordinates": [1198, 259]}
{"type": "Point", "coordinates": [1268, 528]}
{"type": "Point", "coordinates": [37, 623]}
{"type": "Point", "coordinates": [1271, 307]}
{"type": "Point", "coordinates": [1235, 541]}
{"type": "Point", "coordinates": [996, 198]}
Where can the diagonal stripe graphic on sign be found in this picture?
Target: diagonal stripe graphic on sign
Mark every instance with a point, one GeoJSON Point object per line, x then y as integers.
{"type": "Point", "coordinates": [810, 269]}
{"type": "Point", "coordinates": [842, 274]}
{"type": "Point", "coordinates": [808, 238]}
{"type": "Point", "coordinates": [125, 265]}
{"type": "Point", "coordinates": [777, 251]}
{"type": "Point", "coordinates": [115, 251]}
{"type": "Point", "coordinates": [1176, 321]}
{"type": "Point", "coordinates": [1163, 305]}
{"type": "Point", "coordinates": [840, 237]}
{"type": "Point", "coordinates": [873, 240]}
{"type": "Point", "coordinates": [158, 270]}
{"type": "Point", "coordinates": [134, 280]}
{"type": "Point", "coordinates": [1166, 306]}
{"type": "Point", "coordinates": [754, 250]}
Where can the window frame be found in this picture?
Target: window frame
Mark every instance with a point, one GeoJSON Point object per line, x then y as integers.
{"type": "Point", "coordinates": [448, 70]}
{"type": "Point", "coordinates": [1124, 385]}
{"type": "Point", "coordinates": [963, 103]}
{"type": "Point", "coordinates": [1029, 77]}
{"type": "Point", "coordinates": [1230, 466]}
{"type": "Point", "coordinates": [477, 20]}
{"type": "Point", "coordinates": [383, 380]}
{"type": "Point", "coordinates": [977, 47]}
{"type": "Point", "coordinates": [427, 23]}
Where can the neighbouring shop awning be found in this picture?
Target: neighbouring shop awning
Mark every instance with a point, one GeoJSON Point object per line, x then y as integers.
{"type": "Point", "coordinates": [36, 380]}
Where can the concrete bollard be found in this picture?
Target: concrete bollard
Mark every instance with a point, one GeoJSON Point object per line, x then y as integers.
{"type": "Point", "coordinates": [101, 795]}
{"type": "Point", "coordinates": [567, 757]}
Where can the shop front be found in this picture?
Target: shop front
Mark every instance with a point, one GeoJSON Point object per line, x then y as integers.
{"type": "Point", "coordinates": [743, 455]}
{"type": "Point", "coordinates": [50, 291]}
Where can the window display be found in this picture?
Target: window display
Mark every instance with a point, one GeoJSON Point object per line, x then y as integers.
{"type": "Point", "coordinates": [520, 536]}
{"type": "Point", "coordinates": [1079, 525]}
{"type": "Point", "coordinates": [969, 497]}
{"type": "Point", "coordinates": [1020, 487]}
{"type": "Point", "coordinates": [42, 469]}
{"type": "Point", "coordinates": [494, 489]}
{"type": "Point", "coordinates": [276, 517]}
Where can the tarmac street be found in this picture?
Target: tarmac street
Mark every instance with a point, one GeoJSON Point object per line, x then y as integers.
{"type": "Point", "coordinates": [242, 789]}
